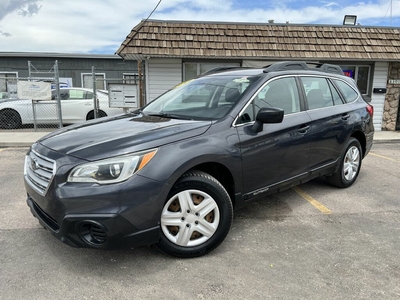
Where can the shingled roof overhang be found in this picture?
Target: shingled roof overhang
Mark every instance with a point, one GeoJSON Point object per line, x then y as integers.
{"type": "Point", "coordinates": [222, 40]}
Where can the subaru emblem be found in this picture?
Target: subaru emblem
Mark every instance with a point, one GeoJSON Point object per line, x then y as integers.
{"type": "Point", "coordinates": [34, 164]}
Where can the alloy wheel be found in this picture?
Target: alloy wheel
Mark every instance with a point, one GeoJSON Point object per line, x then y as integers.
{"type": "Point", "coordinates": [351, 163]}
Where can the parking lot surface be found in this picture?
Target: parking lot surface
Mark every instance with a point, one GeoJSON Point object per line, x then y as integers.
{"type": "Point", "coordinates": [311, 242]}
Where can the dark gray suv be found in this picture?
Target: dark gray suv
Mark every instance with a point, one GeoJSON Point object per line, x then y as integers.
{"type": "Point", "coordinates": [171, 173]}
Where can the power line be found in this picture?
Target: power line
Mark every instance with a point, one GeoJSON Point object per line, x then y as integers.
{"type": "Point", "coordinates": [390, 8]}
{"type": "Point", "coordinates": [152, 11]}
{"type": "Point", "coordinates": [135, 31]}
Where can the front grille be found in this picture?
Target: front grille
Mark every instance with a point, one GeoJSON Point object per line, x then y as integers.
{"type": "Point", "coordinates": [39, 171]}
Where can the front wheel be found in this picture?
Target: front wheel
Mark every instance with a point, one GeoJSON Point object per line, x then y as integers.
{"type": "Point", "coordinates": [196, 217]}
{"type": "Point", "coordinates": [10, 119]}
{"type": "Point", "coordinates": [350, 165]}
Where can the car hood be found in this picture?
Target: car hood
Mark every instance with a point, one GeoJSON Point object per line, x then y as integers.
{"type": "Point", "coordinates": [108, 137]}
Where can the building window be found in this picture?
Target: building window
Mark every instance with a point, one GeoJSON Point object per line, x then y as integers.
{"type": "Point", "coordinates": [87, 81]}
{"type": "Point", "coordinates": [193, 69]}
{"type": "Point", "coordinates": [131, 78]}
{"type": "Point", "coordinates": [361, 75]}
{"type": "Point", "coordinates": [8, 85]}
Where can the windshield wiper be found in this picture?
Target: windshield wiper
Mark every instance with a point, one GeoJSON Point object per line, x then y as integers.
{"type": "Point", "coordinates": [136, 112]}
{"type": "Point", "coordinates": [168, 116]}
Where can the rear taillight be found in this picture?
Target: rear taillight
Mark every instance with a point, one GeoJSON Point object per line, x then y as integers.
{"type": "Point", "coordinates": [370, 110]}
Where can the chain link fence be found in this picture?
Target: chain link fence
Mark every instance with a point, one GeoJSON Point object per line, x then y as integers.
{"type": "Point", "coordinates": [77, 104]}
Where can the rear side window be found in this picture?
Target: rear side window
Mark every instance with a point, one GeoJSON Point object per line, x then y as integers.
{"type": "Point", "coordinates": [319, 92]}
{"type": "Point", "coordinates": [348, 92]}
{"type": "Point", "coordinates": [335, 95]}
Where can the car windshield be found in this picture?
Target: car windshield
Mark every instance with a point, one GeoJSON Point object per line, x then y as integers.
{"type": "Point", "coordinates": [205, 98]}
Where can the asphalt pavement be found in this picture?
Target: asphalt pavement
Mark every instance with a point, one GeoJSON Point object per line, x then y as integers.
{"type": "Point", "coordinates": [312, 242]}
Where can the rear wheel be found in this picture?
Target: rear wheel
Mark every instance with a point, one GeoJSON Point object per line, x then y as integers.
{"type": "Point", "coordinates": [10, 119]}
{"type": "Point", "coordinates": [196, 217]}
{"type": "Point", "coordinates": [350, 165]}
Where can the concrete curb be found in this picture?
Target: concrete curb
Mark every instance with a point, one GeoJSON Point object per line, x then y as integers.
{"type": "Point", "coordinates": [16, 139]}
{"type": "Point", "coordinates": [387, 141]}
{"type": "Point", "coordinates": [19, 139]}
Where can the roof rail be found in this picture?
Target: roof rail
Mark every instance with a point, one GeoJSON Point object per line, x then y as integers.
{"type": "Point", "coordinates": [286, 65]}
{"type": "Point", "coordinates": [220, 69]}
{"type": "Point", "coordinates": [331, 69]}
{"type": "Point", "coordinates": [302, 65]}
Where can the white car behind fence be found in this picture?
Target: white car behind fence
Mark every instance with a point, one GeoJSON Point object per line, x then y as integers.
{"type": "Point", "coordinates": [76, 106]}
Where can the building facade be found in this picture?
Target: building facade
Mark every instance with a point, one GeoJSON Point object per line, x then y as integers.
{"type": "Point", "coordinates": [73, 69]}
{"type": "Point", "coordinates": [175, 51]}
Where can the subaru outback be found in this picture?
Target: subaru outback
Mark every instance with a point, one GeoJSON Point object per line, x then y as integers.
{"type": "Point", "coordinates": [172, 172]}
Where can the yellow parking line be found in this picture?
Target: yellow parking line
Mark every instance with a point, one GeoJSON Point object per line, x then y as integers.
{"type": "Point", "coordinates": [314, 202]}
{"type": "Point", "coordinates": [2, 149]}
{"type": "Point", "coordinates": [381, 156]}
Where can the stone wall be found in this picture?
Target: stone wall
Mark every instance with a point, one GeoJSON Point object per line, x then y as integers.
{"type": "Point", "coordinates": [392, 98]}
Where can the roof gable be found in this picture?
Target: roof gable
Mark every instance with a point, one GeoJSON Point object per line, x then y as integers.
{"type": "Point", "coordinates": [181, 39]}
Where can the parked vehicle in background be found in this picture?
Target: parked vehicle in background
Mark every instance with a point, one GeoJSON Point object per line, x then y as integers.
{"type": "Point", "coordinates": [172, 172]}
{"type": "Point", "coordinates": [76, 106]}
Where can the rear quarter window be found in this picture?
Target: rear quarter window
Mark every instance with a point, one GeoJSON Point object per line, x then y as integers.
{"type": "Point", "coordinates": [348, 92]}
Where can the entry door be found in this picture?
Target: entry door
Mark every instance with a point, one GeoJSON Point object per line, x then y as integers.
{"type": "Point", "coordinates": [279, 153]}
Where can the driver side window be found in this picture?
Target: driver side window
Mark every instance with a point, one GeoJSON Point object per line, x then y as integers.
{"type": "Point", "coordinates": [280, 93]}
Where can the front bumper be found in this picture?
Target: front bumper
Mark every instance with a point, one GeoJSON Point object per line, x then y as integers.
{"type": "Point", "coordinates": [91, 215]}
{"type": "Point", "coordinates": [105, 231]}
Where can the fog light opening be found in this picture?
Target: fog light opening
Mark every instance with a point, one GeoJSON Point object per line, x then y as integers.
{"type": "Point", "coordinates": [93, 234]}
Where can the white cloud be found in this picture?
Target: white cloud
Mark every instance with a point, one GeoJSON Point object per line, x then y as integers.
{"type": "Point", "coordinates": [23, 7]}
{"type": "Point", "coordinates": [101, 26]}
{"type": "Point", "coordinates": [329, 4]}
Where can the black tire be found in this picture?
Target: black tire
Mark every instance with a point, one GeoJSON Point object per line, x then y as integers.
{"type": "Point", "coordinates": [196, 217]}
{"type": "Point", "coordinates": [10, 119]}
{"type": "Point", "coordinates": [350, 165]}
{"type": "Point", "coordinates": [90, 115]}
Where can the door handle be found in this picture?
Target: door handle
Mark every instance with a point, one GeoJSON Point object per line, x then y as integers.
{"type": "Point", "coordinates": [345, 117]}
{"type": "Point", "coordinates": [303, 129]}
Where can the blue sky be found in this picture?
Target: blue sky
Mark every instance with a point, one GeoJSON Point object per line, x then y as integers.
{"type": "Point", "coordinates": [100, 26]}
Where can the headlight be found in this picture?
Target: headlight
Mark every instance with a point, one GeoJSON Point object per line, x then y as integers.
{"type": "Point", "coordinates": [111, 170]}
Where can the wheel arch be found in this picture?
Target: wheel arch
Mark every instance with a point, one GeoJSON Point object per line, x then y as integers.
{"type": "Point", "coordinates": [9, 109]}
{"type": "Point", "coordinates": [362, 140]}
{"type": "Point", "coordinates": [219, 172]}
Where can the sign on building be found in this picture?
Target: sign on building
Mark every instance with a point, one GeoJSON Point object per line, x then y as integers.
{"type": "Point", "coordinates": [394, 81]}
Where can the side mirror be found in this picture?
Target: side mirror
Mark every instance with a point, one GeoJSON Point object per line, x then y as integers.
{"type": "Point", "coordinates": [267, 115]}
